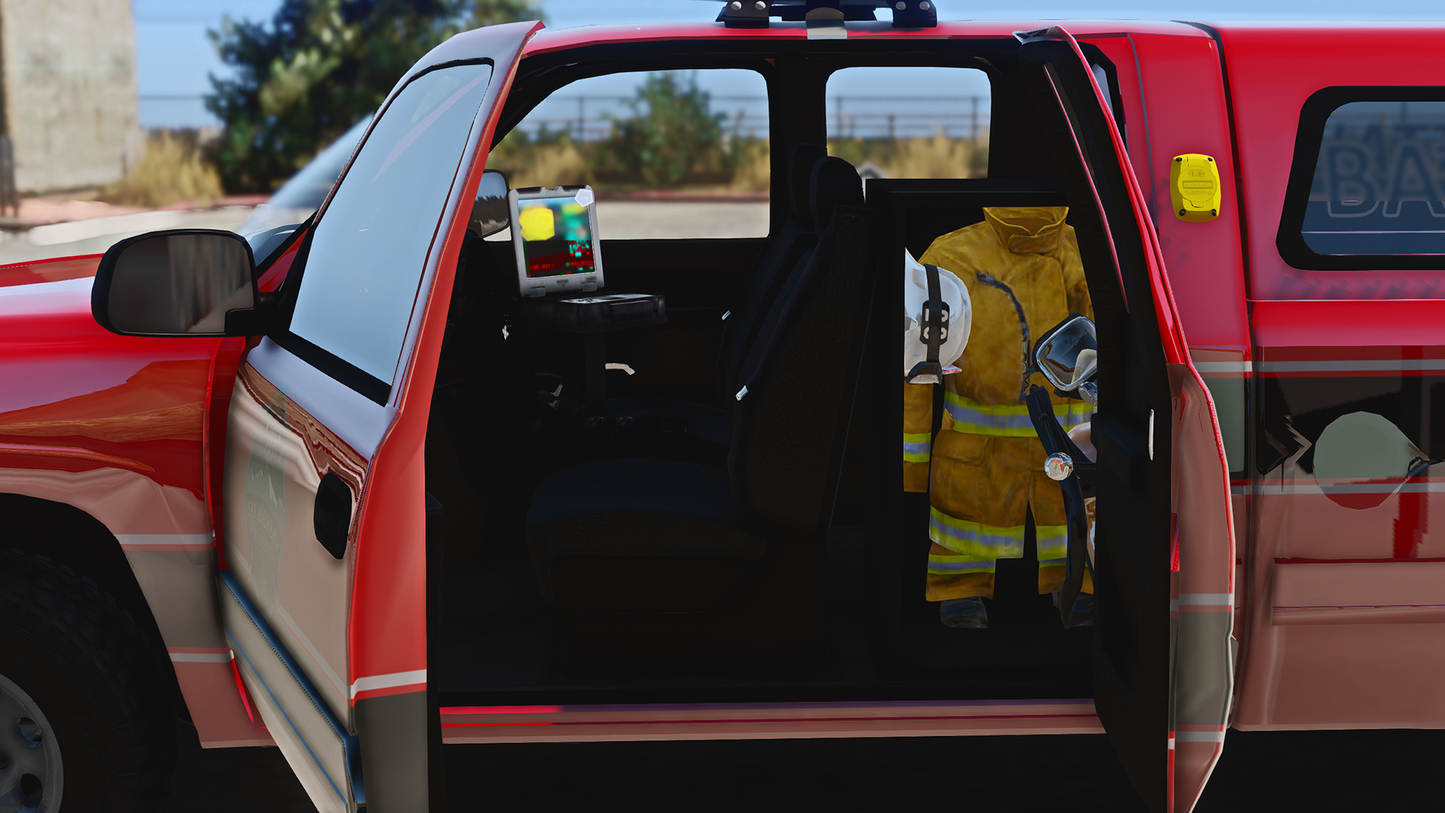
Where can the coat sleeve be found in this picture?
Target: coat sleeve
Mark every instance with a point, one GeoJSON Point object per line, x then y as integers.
{"type": "Point", "coordinates": [917, 435]}
{"type": "Point", "coordinates": [1078, 287]}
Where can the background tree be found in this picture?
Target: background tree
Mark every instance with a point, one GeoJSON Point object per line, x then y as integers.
{"type": "Point", "coordinates": [672, 133]}
{"type": "Point", "coordinates": [317, 69]}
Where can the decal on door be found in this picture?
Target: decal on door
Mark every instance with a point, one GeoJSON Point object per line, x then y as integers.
{"type": "Point", "coordinates": [266, 501]}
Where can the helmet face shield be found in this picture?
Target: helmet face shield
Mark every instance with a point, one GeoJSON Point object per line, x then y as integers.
{"type": "Point", "coordinates": [1068, 355]}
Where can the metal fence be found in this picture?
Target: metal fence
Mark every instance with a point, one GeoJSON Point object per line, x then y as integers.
{"type": "Point", "coordinates": [591, 117]}
{"type": "Point", "coordinates": [9, 199]}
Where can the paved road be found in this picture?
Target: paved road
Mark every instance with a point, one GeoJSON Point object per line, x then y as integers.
{"type": "Point", "coordinates": [633, 220]}
{"type": "Point", "coordinates": [1262, 772]}
{"type": "Point", "coordinates": [96, 235]}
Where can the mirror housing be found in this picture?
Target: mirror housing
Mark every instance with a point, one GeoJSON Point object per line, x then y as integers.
{"type": "Point", "coordinates": [181, 282]}
{"type": "Point", "coordinates": [490, 213]}
{"type": "Point", "coordinates": [1068, 356]}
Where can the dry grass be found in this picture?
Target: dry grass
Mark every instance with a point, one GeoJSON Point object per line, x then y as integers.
{"type": "Point", "coordinates": [755, 168]}
{"type": "Point", "coordinates": [556, 163]}
{"type": "Point", "coordinates": [936, 157]}
{"type": "Point", "coordinates": [562, 161]}
{"type": "Point", "coordinates": [170, 170]}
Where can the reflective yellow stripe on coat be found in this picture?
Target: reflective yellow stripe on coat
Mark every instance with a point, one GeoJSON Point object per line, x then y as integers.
{"type": "Point", "coordinates": [1009, 421]}
{"type": "Point", "coordinates": [916, 447]}
{"type": "Point", "coordinates": [978, 545]}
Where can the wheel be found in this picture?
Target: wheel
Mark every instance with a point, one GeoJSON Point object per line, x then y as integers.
{"type": "Point", "coordinates": [85, 716]}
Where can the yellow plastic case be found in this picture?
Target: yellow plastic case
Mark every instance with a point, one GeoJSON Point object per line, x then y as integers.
{"type": "Point", "coordinates": [1194, 187]}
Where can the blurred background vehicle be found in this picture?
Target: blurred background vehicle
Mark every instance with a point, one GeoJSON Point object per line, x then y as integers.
{"type": "Point", "coordinates": [269, 223]}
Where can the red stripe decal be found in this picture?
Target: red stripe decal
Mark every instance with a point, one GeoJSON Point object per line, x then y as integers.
{"type": "Point", "coordinates": [501, 710]}
{"type": "Point", "coordinates": [726, 720]}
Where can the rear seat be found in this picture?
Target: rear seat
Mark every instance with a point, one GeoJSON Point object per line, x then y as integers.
{"type": "Point", "coordinates": [793, 238]}
{"type": "Point", "coordinates": [653, 536]}
{"type": "Point", "coordinates": [749, 324]}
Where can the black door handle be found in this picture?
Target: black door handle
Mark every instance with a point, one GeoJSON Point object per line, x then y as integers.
{"type": "Point", "coordinates": [332, 514]}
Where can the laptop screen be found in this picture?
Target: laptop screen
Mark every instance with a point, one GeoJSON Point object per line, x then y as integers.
{"type": "Point", "coordinates": [555, 236]}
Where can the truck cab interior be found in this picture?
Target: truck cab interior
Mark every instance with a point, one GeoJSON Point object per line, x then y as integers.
{"type": "Point", "coordinates": [729, 522]}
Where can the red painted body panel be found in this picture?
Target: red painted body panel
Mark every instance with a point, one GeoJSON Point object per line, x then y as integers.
{"type": "Point", "coordinates": [1345, 666]}
{"type": "Point", "coordinates": [1273, 70]}
{"type": "Point", "coordinates": [133, 430]}
{"type": "Point", "coordinates": [71, 383]}
{"type": "Point", "coordinates": [54, 270]}
{"type": "Point", "coordinates": [123, 429]}
{"type": "Point", "coordinates": [1185, 111]}
{"type": "Point", "coordinates": [1350, 323]}
{"type": "Point", "coordinates": [563, 39]}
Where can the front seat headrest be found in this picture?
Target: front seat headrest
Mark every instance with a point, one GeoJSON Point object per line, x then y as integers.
{"type": "Point", "coordinates": [835, 183]}
{"type": "Point", "coordinates": [800, 179]}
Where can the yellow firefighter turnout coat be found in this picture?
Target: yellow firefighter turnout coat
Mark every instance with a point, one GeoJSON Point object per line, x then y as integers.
{"type": "Point", "coordinates": [1022, 269]}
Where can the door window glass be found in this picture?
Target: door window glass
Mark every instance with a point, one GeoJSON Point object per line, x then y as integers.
{"type": "Point", "coordinates": [897, 122]}
{"type": "Point", "coordinates": [371, 245]}
{"type": "Point", "coordinates": [1379, 181]}
{"type": "Point", "coordinates": [669, 154]}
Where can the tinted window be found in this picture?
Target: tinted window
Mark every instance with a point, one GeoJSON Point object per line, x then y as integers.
{"type": "Point", "coordinates": [1379, 180]}
{"type": "Point", "coordinates": [370, 247]}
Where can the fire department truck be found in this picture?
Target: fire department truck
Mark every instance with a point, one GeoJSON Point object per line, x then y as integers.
{"type": "Point", "coordinates": [301, 489]}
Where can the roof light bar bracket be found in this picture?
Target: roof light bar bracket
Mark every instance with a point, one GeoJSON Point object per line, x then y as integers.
{"type": "Point", "coordinates": [757, 13]}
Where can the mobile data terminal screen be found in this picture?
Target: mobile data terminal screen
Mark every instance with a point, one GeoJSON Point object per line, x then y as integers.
{"type": "Point", "coordinates": [555, 238]}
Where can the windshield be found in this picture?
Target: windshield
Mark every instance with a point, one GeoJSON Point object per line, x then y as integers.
{"type": "Point", "coordinates": [273, 221]}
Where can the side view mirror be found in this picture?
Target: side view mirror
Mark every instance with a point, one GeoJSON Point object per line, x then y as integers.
{"type": "Point", "coordinates": [1068, 356]}
{"type": "Point", "coordinates": [490, 214]}
{"type": "Point", "coordinates": [183, 282]}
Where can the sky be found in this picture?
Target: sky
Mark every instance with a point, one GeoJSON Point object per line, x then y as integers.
{"type": "Point", "coordinates": [174, 54]}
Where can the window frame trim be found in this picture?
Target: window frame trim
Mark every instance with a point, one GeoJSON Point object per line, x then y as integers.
{"type": "Point", "coordinates": [1309, 138]}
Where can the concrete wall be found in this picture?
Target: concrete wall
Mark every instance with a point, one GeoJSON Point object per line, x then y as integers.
{"type": "Point", "coordinates": [69, 91]}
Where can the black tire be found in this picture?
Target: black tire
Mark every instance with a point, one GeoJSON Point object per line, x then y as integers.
{"type": "Point", "coordinates": [88, 667]}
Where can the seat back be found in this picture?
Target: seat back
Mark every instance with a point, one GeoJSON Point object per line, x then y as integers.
{"type": "Point", "coordinates": [790, 427]}
{"type": "Point", "coordinates": [792, 238]}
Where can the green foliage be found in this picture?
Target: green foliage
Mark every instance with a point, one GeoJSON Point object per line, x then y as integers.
{"type": "Point", "coordinates": [672, 132]}
{"type": "Point", "coordinates": [672, 140]}
{"type": "Point", "coordinates": [319, 67]}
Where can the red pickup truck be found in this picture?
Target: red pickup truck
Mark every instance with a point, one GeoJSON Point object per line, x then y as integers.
{"type": "Point", "coordinates": [303, 491]}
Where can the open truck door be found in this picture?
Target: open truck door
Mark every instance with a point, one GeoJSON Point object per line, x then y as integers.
{"type": "Point", "coordinates": [324, 577]}
{"type": "Point", "coordinates": [1163, 655]}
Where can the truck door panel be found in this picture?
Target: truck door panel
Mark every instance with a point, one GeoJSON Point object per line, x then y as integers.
{"type": "Point", "coordinates": [1184, 109]}
{"type": "Point", "coordinates": [1343, 634]}
{"type": "Point", "coordinates": [1331, 346]}
{"type": "Point", "coordinates": [325, 600]}
{"type": "Point", "coordinates": [1155, 671]}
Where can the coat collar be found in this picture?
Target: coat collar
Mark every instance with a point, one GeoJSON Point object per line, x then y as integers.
{"type": "Point", "coordinates": [1027, 229]}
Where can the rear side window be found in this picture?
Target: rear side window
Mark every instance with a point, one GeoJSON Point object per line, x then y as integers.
{"type": "Point", "coordinates": [910, 122]}
{"type": "Point", "coordinates": [1367, 189]}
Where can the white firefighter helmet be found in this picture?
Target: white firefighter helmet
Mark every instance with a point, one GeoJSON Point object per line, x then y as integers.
{"type": "Point", "coordinates": [918, 367]}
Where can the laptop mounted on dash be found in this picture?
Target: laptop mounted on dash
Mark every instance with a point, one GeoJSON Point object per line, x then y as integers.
{"type": "Point", "coordinates": [556, 240]}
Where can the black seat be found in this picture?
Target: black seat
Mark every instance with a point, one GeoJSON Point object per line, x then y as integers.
{"type": "Point", "coordinates": [794, 237]}
{"type": "Point", "coordinates": [653, 536]}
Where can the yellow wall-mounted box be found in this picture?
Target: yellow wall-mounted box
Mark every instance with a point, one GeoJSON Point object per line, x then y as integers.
{"type": "Point", "coordinates": [1194, 187]}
